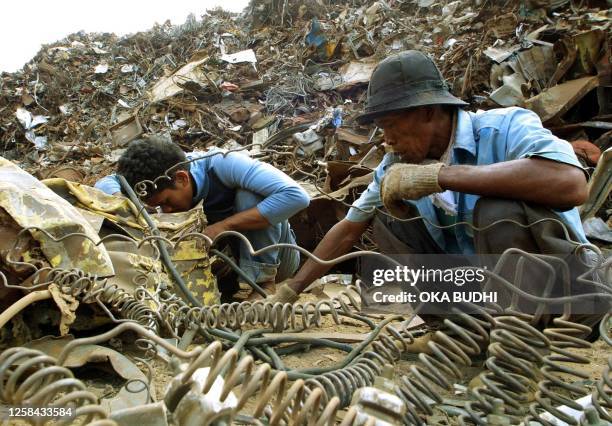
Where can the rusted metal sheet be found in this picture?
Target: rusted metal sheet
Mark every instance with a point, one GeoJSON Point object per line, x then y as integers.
{"type": "Point", "coordinates": [190, 256]}
{"type": "Point", "coordinates": [556, 101]}
{"type": "Point", "coordinates": [131, 395]}
{"type": "Point", "coordinates": [32, 204]}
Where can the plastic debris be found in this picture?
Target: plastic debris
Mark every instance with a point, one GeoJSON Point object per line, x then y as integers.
{"type": "Point", "coordinates": [239, 57]}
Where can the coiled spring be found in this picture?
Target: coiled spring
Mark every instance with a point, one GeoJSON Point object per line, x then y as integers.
{"type": "Point", "coordinates": [342, 383]}
{"type": "Point", "coordinates": [90, 288]}
{"type": "Point", "coordinates": [562, 338]}
{"type": "Point", "coordinates": [454, 346]}
{"type": "Point", "coordinates": [276, 316]}
{"type": "Point", "coordinates": [30, 377]}
{"type": "Point", "coordinates": [516, 351]}
{"type": "Point", "coordinates": [275, 399]}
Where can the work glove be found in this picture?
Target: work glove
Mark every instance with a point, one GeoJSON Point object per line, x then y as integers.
{"type": "Point", "coordinates": [408, 182]}
{"type": "Point", "coordinates": [284, 294]}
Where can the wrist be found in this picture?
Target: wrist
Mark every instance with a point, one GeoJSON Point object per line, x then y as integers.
{"type": "Point", "coordinates": [225, 225]}
{"type": "Point", "coordinates": [445, 176]}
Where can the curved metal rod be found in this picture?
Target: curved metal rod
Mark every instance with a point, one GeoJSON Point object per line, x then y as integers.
{"type": "Point", "coordinates": [165, 256]}
{"type": "Point", "coordinates": [240, 272]}
{"type": "Point", "coordinates": [126, 326]}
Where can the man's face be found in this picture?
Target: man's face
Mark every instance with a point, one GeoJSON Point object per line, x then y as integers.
{"type": "Point", "coordinates": [407, 133]}
{"type": "Point", "coordinates": [174, 199]}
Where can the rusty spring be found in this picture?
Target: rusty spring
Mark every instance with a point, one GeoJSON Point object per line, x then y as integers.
{"type": "Point", "coordinates": [466, 336]}
{"type": "Point", "coordinates": [516, 351]}
{"type": "Point", "coordinates": [31, 378]}
{"type": "Point", "coordinates": [387, 343]}
{"type": "Point", "coordinates": [53, 385]}
{"type": "Point", "coordinates": [89, 288]}
{"type": "Point", "coordinates": [511, 369]}
{"type": "Point", "coordinates": [453, 347]}
{"type": "Point", "coordinates": [278, 401]}
{"type": "Point", "coordinates": [602, 394]}
{"type": "Point", "coordinates": [277, 316]}
{"type": "Point", "coordinates": [562, 337]}
{"type": "Point", "coordinates": [386, 349]}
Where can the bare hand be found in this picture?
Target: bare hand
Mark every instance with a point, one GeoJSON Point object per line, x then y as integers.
{"type": "Point", "coordinates": [211, 231]}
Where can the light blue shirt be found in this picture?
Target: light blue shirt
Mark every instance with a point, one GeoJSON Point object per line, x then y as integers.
{"type": "Point", "coordinates": [283, 197]}
{"type": "Point", "coordinates": [481, 138]}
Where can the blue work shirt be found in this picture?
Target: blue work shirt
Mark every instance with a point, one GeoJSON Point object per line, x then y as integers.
{"type": "Point", "coordinates": [283, 197]}
{"type": "Point", "coordinates": [481, 138]}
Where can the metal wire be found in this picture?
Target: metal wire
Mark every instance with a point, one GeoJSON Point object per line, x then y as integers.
{"type": "Point", "coordinates": [452, 348]}
{"type": "Point", "coordinates": [276, 316]}
{"type": "Point", "coordinates": [511, 374]}
{"type": "Point", "coordinates": [462, 338]}
{"type": "Point", "coordinates": [563, 337]}
{"type": "Point", "coordinates": [30, 377]}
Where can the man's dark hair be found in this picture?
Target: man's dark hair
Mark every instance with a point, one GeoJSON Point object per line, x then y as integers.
{"type": "Point", "coordinates": [147, 159]}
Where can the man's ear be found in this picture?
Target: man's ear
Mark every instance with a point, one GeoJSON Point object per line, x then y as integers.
{"type": "Point", "coordinates": [181, 178]}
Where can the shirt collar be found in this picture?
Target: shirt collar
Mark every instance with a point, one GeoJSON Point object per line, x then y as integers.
{"type": "Point", "coordinates": [464, 133]}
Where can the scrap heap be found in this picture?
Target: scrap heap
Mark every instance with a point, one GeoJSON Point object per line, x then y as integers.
{"type": "Point", "coordinates": [283, 81]}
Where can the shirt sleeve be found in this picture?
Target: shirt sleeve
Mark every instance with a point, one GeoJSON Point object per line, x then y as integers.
{"type": "Point", "coordinates": [528, 138]}
{"type": "Point", "coordinates": [283, 196]}
{"type": "Point", "coordinates": [108, 184]}
{"type": "Point", "coordinates": [365, 206]}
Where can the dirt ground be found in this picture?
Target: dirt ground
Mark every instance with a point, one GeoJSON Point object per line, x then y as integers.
{"type": "Point", "coordinates": [327, 357]}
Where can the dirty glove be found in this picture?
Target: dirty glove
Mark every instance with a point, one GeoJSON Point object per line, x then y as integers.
{"type": "Point", "coordinates": [408, 182]}
{"type": "Point", "coordinates": [284, 294]}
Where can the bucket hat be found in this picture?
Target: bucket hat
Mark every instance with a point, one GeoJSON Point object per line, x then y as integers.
{"type": "Point", "coordinates": [405, 80]}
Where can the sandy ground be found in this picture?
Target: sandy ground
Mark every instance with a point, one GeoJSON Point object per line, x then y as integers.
{"type": "Point", "coordinates": [327, 357]}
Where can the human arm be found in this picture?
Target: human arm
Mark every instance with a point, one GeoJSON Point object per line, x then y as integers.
{"type": "Point", "coordinates": [247, 220]}
{"type": "Point", "coordinates": [283, 197]}
{"type": "Point", "coordinates": [550, 183]}
{"type": "Point", "coordinates": [529, 164]}
{"type": "Point", "coordinates": [338, 241]}
{"type": "Point", "coordinates": [342, 236]}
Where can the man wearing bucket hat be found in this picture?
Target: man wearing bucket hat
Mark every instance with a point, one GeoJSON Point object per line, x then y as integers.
{"type": "Point", "coordinates": [446, 166]}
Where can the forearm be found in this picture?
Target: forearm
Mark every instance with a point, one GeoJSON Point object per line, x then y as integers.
{"type": "Point", "coordinates": [540, 181]}
{"type": "Point", "coordinates": [247, 220]}
{"type": "Point", "coordinates": [338, 241]}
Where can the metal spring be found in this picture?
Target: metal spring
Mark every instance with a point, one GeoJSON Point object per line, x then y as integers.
{"type": "Point", "coordinates": [562, 338]}
{"type": "Point", "coordinates": [602, 394]}
{"type": "Point", "coordinates": [30, 377]}
{"type": "Point", "coordinates": [342, 383]}
{"type": "Point", "coordinates": [511, 369]}
{"type": "Point", "coordinates": [279, 402]}
{"type": "Point", "coordinates": [277, 316]}
{"type": "Point", "coordinates": [452, 348]}
{"type": "Point", "coordinates": [90, 288]}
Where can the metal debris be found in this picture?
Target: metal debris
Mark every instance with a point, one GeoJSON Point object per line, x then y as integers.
{"type": "Point", "coordinates": [93, 265]}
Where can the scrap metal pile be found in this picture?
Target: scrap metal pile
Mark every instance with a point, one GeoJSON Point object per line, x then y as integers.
{"type": "Point", "coordinates": [282, 81]}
